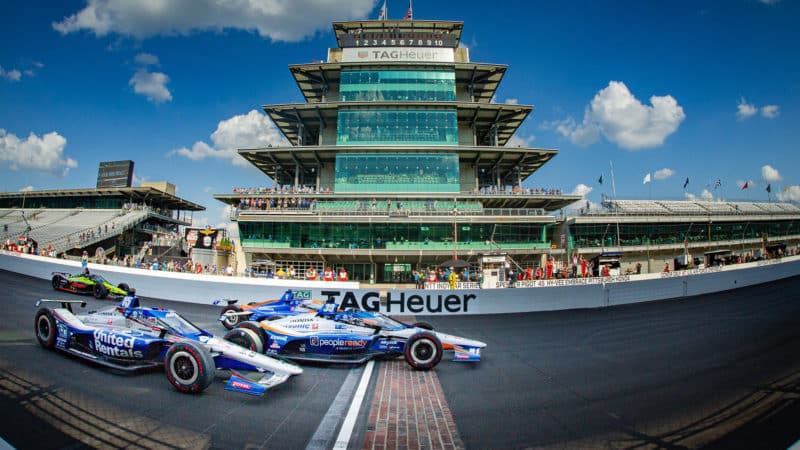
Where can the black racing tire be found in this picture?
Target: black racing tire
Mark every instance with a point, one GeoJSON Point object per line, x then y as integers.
{"type": "Point", "coordinates": [423, 325]}
{"type": "Point", "coordinates": [247, 338]}
{"type": "Point", "coordinates": [256, 328]}
{"type": "Point", "coordinates": [56, 282]}
{"type": "Point", "coordinates": [100, 291]}
{"type": "Point", "coordinates": [45, 327]}
{"type": "Point", "coordinates": [230, 321]}
{"type": "Point", "coordinates": [124, 287]}
{"type": "Point", "coordinates": [189, 367]}
{"type": "Point", "coordinates": [423, 351]}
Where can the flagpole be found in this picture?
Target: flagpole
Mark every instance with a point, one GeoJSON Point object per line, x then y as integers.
{"type": "Point", "coordinates": [616, 209]}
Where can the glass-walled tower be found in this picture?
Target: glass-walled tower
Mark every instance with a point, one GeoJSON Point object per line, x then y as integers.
{"type": "Point", "coordinates": [397, 160]}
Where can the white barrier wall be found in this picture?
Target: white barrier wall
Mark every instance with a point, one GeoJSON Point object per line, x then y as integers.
{"type": "Point", "coordinates": [526, 297]}
{"type": "Point", "coordinates": [184, 287]}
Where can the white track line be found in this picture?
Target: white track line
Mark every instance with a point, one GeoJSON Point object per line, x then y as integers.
{"type": "Point", "coordinates": [350, 420]}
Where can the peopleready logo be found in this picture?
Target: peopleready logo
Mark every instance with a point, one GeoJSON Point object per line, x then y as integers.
{"type": "Point", "coordinates": [115, 345]}
{"type": "Point", "coordinates": [336, 342]}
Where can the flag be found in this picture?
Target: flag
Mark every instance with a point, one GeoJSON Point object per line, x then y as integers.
{"type": "Point", "coordinates": [600, 180]}
{"type": "Point", "coordinates": [718, 183]}
{"type": "Point", "coordinates": [745, 186]}
{"type": "Point", "coordinates": [382, 15]}
{"type": "Point", "coordinates": [409, 13]}
{"type": "Point", "coordinates": [769, 188]}
{"type": "Point", "coordinates": [786, 189]}
{"type": "Point", "coordinates": [686, 183]}
{"type": "Point", "coordinates": [646, 178]}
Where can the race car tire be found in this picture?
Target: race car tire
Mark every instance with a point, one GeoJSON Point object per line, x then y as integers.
{"type": "Point", "coordinates": [256, 328]}
{"type": "Point", "coordinates": [247, 338]}
{"type": "Point", "coordinates": [45, 327]}
{"type": "Point", "coordinates": [230, 321]}
{"type": "Point", "coordinates": [423, 351]}
{"type": "Point", "coordinates": [56, 282]}
{"type": "Point", "coordinates": [189, 367]}
{"type": "Point", "coordinates": [423, 325]}
{"type": "Point", "coordinates": [100, 291]}
{"type": "Point", "coordinates": [124, 287]}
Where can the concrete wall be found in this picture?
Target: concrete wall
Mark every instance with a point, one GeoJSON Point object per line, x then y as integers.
{"type": "Point", "coordinates": [527, 297]}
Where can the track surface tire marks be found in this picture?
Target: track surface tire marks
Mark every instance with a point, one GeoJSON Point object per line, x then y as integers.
{"type": "Point", "coordinates": [285, 417]}
{"type": "Point", "coordinates": [719, 370]}
{"type": "Point", "coordinates": [674, 373]}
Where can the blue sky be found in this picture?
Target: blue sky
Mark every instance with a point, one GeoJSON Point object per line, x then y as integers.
{"type": "Point", "coordinates": [708, 90]}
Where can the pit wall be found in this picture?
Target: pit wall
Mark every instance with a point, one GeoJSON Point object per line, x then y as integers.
{"type": "Point", "coordinates": [525, 297]}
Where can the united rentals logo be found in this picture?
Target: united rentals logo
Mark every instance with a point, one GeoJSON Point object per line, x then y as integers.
{"type": "Point", "coordinates": [115, 345]}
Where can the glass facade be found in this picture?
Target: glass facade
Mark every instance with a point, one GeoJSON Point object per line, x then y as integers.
{"type": "Point", "coordinates": [393, 172]}
{"type": "Point", "coordinates": [598, 235]}
{"type": "Point", "coordinates": [397, 85]}
{"type": "Point", "coordinates": [429, 236]}
{"type": "Point", "coordinates": [397, 127]}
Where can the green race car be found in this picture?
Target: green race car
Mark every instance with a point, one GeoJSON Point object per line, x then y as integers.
{"type": "Point", "coordinates": [86, 283]}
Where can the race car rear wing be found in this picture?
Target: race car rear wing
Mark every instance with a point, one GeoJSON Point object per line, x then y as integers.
{"type": "Point", "coordinates": [66, 304]}
{"type": "Point", "coordinates": [229, 301]}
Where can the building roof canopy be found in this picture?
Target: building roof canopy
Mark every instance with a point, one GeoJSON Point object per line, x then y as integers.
{"type": "Point", "coordinates": [307, 119]}
{"type": "Point", "coordinates": [314, 79]}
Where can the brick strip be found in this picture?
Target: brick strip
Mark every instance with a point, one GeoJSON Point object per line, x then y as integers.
{"type": "Point", "coordinates": [409, 411]}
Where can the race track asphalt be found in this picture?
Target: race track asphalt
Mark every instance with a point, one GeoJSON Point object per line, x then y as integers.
{"type": "Point", "coordinates": [721, 371]}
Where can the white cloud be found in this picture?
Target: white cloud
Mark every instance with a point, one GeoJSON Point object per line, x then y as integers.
{"type": "Point", "coordinates": [38, 64]}
{"type": "Point", "coordinates": [251, 130]}
{"type": "Point", "coordinates": [624, 120]}
{"type": "Point", "coordinates": [11, 75]}
{"type": "Point", "coordinates": [27, 188]}
{"type": "Point", "coordinates": [769, 173]}
{"type": "Point", "coordinates": [151, 84]}
{"type": "Point", "coordinates": [583, 135]}
{"type": "Point", "coordinates": [279, 20]}
{"type": "Point", "coordinates": [745, 110]}
{"type": "Point", "coordinates": [44, 154]}
{"type": "Point", "coordinates": [793, 195]}
{"type": "Point", "coordinates": [689, 196]}
{"type": "Point", "coordinates": [137, 180]}
{"type": "Point", "coordinates": [512, 101]}
{"type": "Point", "coordinates": [146, 59]}
{"type": "Point", "coordinates": [770, 111]}
{"type": "Point", "coordinates": [663, 174]}
{"type": "Point", "coordinates": [707, 195]}
{"type": "Point", "coordinates": [520, 141]}
{"type": "Point", "coordinates": [582, 190]}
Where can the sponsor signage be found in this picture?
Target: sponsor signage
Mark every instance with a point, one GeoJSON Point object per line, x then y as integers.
{"type": "Point", "coordinates": [115, 174]}
{"type": "Point", "coordinates": [398, 54]}
{"type": "Point", "coordinates": [403, 302]}
{"type": "Point", "coordinates": [201, 238]}
{"type": "Point", "coordinates": [367, 39]}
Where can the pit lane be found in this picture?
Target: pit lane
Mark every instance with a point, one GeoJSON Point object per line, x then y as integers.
{"type": "Point", "coordinates": [721, 370]}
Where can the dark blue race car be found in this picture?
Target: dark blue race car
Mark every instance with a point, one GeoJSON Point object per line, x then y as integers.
{"type": "Point", "coordinates": [131, 337]}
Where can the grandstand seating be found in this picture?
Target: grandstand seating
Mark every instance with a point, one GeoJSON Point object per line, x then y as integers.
{"type": "Point", "coordinates": [62, 228]}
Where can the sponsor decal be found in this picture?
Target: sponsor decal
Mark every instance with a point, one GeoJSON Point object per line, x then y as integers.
{"type": "Point", "coordinates": [316, 341]}
{"type": "Point", "coordinates": [115, 345]}
{"type": "Point", "coordinates": [301, 294]}
{"type": "Point", "coordinates": [275, 346]}
{"type": "Point", "coordinates": [240, 385]}
{"type": "Point", "coordinates": [401, 302]}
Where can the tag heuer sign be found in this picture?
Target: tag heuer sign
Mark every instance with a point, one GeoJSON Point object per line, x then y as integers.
{"type": "Point", "coordinates": [398, 54]}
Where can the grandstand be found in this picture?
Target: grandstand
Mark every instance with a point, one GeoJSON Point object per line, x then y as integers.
{"type": "Point", "coordinates": [67, 222]}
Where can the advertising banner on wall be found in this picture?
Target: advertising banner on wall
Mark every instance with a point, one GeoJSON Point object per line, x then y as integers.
{"type": "Point", "coordinates": [201, 237]}
{"type": "Point", "coordinates": [398, 54]}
